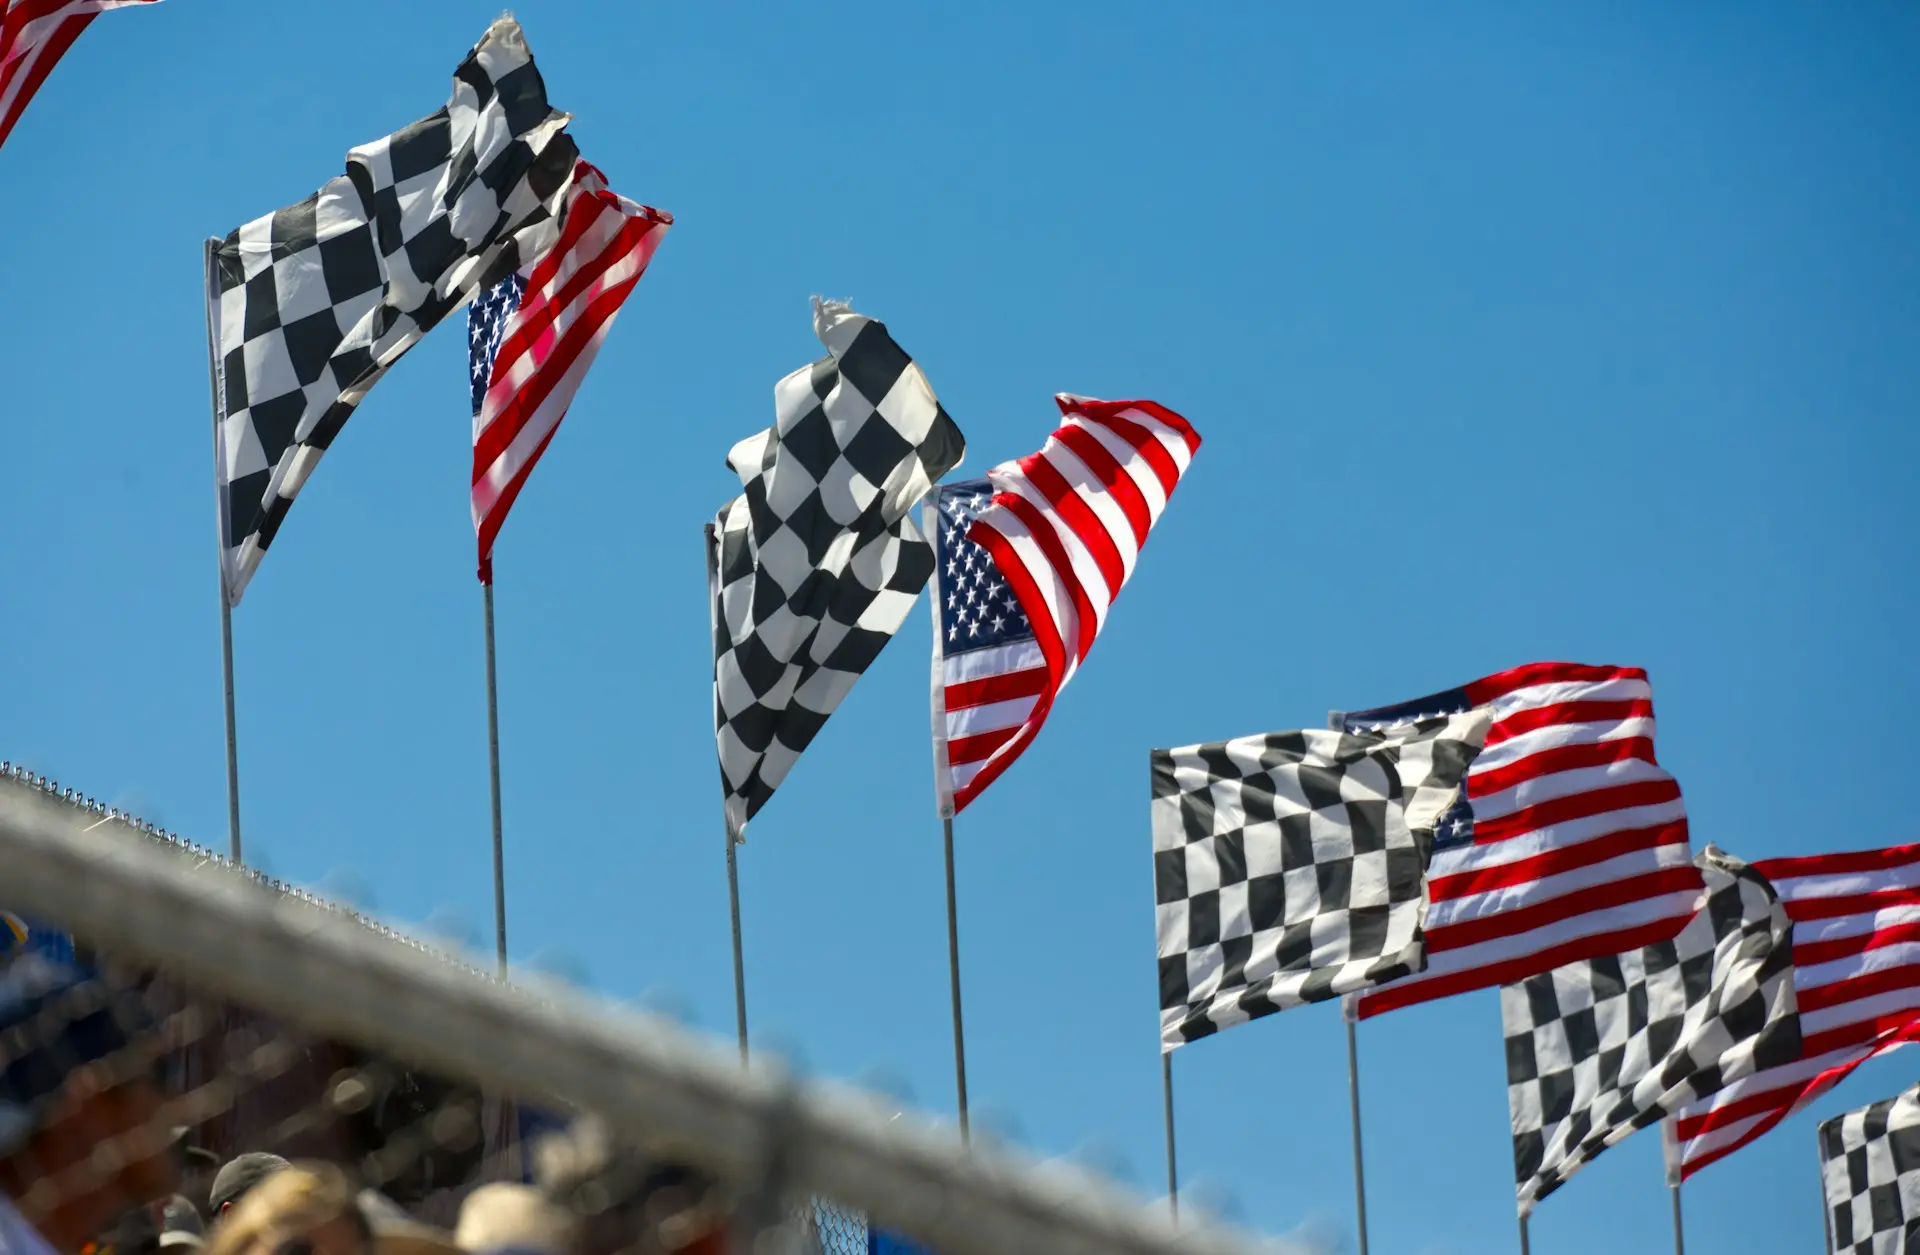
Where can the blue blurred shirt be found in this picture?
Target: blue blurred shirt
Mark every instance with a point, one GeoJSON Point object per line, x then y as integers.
{"type": "Point", "coordinates": [17, 1237]}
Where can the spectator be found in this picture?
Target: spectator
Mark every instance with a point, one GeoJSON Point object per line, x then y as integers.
{"type": "Point", "coordinates": [512, 1219]}
{"type": "Point", "coordinates": [134, 1233]}
{"type": "Point", "coordinates": [197, 1166]}
{"type": "Point", "coordinates": [311, 1207]}
{"type": "Point", "coordinates": [182, 1231]}
{"type": "Point", "coordinates": [237, 1176]}
{"type": "Point", "coordinates": [82, 1141]}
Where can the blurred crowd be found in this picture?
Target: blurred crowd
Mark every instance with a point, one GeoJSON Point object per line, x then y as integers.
{"type": "Point", "coordinates": [94, 1161]}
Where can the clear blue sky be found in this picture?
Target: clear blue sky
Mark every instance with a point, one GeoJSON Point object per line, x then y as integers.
{"type": "Point", "coordinates": [1586, 334]}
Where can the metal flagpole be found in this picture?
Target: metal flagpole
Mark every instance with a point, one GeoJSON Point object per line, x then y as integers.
{"type": "Point", "coordinates": [1166, 1091]}
{"type": "Point", "coordinates": [1350, 1012]}
{"type": "Point", "coordinates": [1826, 1208]}
{"type": "Point", "coordinates": [953, 979]}
{"type": "Point", "coordinates": [733, 864]}
{"type": "Point", "coordinates": [493, 778]}
{"type": "Point", "coordinates": [739, 963]}
{"type": "Point", "coordinates": [1525, 1247]}
{"type": "Point", "coordinates": [1670, 1152]}
{"type": "Point", "coordinates": [233, 739]}
{"type": "Point", "coordinates": [220, 550]}
{"type": "Point", "coordinates": [930, 524]}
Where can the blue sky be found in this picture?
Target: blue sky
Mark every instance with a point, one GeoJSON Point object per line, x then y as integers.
{"type": "Point", "coordinates": [1586, 333]}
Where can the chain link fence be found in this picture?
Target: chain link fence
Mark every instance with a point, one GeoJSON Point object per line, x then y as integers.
{"type": "Point", "coordinates": [195, 1056]}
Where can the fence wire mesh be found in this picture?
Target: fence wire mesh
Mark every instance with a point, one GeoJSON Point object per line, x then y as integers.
{"type": "Point", "coordinates": [196, 1058]}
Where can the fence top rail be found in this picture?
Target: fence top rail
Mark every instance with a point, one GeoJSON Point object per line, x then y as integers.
{"type": "Point", "coordinates": [655, 1084]}
{"type": "Point", "coordinates": [16, 779]}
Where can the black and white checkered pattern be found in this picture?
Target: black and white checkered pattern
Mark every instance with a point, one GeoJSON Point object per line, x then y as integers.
{"type": "Point", "coordinates": [1291, 868]}
{"type": "Point", "coordinates": [820, 559]}
{"type": "Point", "coordinates": [1598, 1049]}
{"type": "Point", "coordinates": [1870, 1166]}
{"type": "Point", "coordinates": [313, 302]}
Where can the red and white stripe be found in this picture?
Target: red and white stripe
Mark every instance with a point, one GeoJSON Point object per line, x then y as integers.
{"type": "Point", "coordinates": [572, 297]}
{"type": "Point", "coordinates": [33, 36]}
{"type": "Point", "coordinates": [1579, 837]}
{"type": "Point", "coordinates": [1856, 975]}
{"type": "Point", "coordinates": [1064, 529]}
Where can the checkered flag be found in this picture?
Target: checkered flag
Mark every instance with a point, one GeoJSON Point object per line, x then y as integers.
{"type": "Point", "coordinates": [816, 564]}
{"type": "Point", "coordinates": [310, 304]}
{"type": "Point", "coordinates": [1598, 1049]}
{"type": "Point", "coordinates": [1870, 1166]}
{"type": "Point", "coordinates": [1291, 868]}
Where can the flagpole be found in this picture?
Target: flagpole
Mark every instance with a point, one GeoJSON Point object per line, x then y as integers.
{"type": "Point", "coordinates": [733, 864]}
{"type": "Point", "coordinates": [1826, 1208]}
{"type": "Point", "coordinates": [1525, 1247]}
{"type": "Point", "coordinates": [1350, 1012]}
{"type": "Point", "coordinates": [493, 780]}
{"type": "Point", "coordinates": [1670, 1152]}
{"type": "Point", "coordinates": [233, 739]}
{"type": "Point", "coordinates": [220, 553]}
{"type": "Point", "coordinates": [1166, 1094]}
{"type": "Point", "coordinates": [510, 1132]}
{"type": "Point", "coordinates": [953, 980]}
{"type": "Point", "coordinates": [942, 784]}
{"type": "Point", "coordinates": [739, 962]}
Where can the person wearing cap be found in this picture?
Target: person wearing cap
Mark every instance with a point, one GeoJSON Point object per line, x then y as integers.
{"type": "Point", "coordinates": [507, 1218]}
{"type": "Point", "coordinates": [81, 1138]}
{"type": "Point", "coordinates": [237, 1176]}
{"type": "Point", "coordinates": [312, 1209]}
{"type": "Point", "coordinates": [196, 1165]}
{"type": "Point", "coordinates": [308, 1208]}
{"type": "Point", "coordinates": [182, 1231]}
{"type": "Point", "coordinates": [167, 1225]}
{"type": "Point", "coordinates": [135, 1232]}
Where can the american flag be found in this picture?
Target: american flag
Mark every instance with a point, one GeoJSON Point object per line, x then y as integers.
{"type": "Point", "coordinates": [1856, 974]}
{"type": "Point", "coordinates": [988, 671]}
{"type": "Point", "coordinates": [1029, 562]}
{"type": "Point", "coordinates": [1569, 842]}
{"type": "Point", "coordinates": [33, 36]}
{"type": "Point", "coordinates": [532, 339]}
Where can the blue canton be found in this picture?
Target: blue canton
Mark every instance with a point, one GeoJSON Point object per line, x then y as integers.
{"type": "Point", "coordinates": [1456, 826]}
{"type": "Point", "coordinates": [486, 327]}
{"type": "Point", "coordinates": [977, 609]}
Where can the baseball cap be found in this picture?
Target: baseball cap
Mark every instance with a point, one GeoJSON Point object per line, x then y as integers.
{"type": "Point", "coordinates": [238, 1175]}
{"type": "Point", "coordinates": [181, 1226]}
